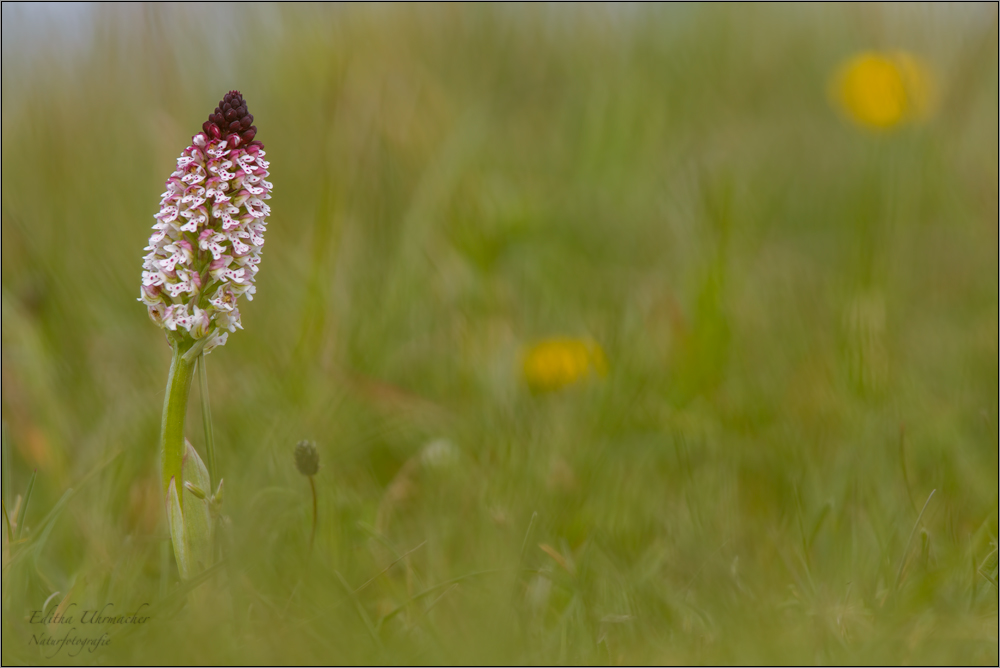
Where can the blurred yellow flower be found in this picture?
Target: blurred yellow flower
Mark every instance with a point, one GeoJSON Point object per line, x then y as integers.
{"type": "Point", "coordinates": [883, 90]}
{"type": "Point", "coordinates": [553, 364]}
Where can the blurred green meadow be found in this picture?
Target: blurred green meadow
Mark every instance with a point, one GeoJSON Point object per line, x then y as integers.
{"type": "Point", "coordinates": [798, 314]}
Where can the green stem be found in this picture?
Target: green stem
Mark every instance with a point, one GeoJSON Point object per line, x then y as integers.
{"type": "Point", "coordinates": [206, 418]}
{"type": "Point", "coordinates": [312, 535]}
{"type": "Point", "coordinates": [174, 412]}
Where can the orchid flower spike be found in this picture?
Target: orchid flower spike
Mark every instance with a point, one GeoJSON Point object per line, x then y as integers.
{"type": "Point", "coordinates": [206, 243]}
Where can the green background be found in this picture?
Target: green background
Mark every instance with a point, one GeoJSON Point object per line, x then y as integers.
{"type": "Point", "coordinates": [800, 319]}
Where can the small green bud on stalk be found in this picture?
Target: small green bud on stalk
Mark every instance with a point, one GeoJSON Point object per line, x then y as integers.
{"type": "Point", "coordinates": [307, 462]}
{"type": "Point", "coordinates": [197, 491]}
{"type": "Point", "coordinates": [306, 458]}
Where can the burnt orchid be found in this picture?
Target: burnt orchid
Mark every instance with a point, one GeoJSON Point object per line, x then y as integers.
{"type": "Point", "coordinates": [203, 255]}
{"type": "Point", "coordinates": [206, 243]}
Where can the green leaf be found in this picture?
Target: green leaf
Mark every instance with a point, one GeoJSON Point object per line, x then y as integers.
{"type": "Point", "coordinates": [195, 471]}
{"type": "Point", "coordinates": [191, 530]}
{"type": "Point", "coordinates": [199, 537]}
{"type": "Point", "coordinates": [176, 521]}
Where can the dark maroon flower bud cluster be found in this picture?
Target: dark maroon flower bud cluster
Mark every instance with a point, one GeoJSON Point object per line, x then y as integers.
{"type": "Point", "coordinates": [231, 121]}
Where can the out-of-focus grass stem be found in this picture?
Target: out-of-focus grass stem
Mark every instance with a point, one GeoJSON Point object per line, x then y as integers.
{"type": "Point", "coordinates": [307, 462]}
{"type": "Point", "coordinates": [906, 551]}
{"type": "Point", "coordinates": [312, 534]}
{"type": "Point", "coordinates": [6, 464]}
{"type": "Point", "coordinates": [206, 418]}
{"type": "Point", "coordinates": [520, 560]}
{"type": "Point", "coordinates": [360, 609]}
{"type": "Point", "coordinates": [6, 519]}
{"type": "Point", "coordinates": [23, 510]}
{"type": "Point", "coordinates": [902, 464]}
{"type": "Point", "coordinates": [982, 569]}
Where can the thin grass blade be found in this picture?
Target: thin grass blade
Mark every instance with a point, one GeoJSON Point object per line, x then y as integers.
{"type": "Point", "coordinates": [206, 418]}
{"type": "Point", "coordinates": [5, 446]}
{"type": "Point", "coordinates": [22, 513]}
{"type": "Point", "coordinates": [6, 520]}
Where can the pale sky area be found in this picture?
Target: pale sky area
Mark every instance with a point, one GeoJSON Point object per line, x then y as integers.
{"type": "Point", "coordinates": [54, 31]}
